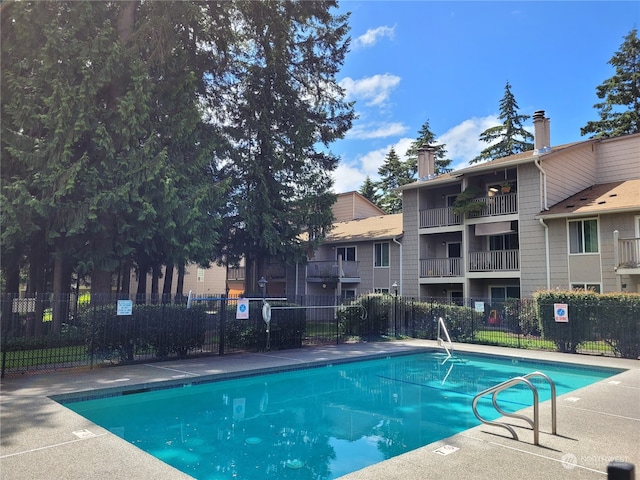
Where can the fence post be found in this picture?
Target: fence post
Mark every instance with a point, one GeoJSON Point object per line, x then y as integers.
{"type": "Point", "coordinates": [222, 323]}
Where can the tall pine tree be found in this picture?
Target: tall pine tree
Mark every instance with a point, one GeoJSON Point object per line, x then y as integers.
{"type": "Point", "coordinates": [393, 174]}
{"type": "Point", "coordinates": [508, 138]}
{"type": "Point", "coordinates": [620, 110]}
{"type": "Point", "coordinates": [285, 102]}
{"type": "Point", "coordinates": [369, 190]}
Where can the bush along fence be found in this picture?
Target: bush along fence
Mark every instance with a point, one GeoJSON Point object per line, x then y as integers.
{"type": "Point", "coordinates": [52, 332]}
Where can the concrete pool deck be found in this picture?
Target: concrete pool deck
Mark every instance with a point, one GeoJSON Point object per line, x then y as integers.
{"type": "Point", "coordinates": [40, 439]}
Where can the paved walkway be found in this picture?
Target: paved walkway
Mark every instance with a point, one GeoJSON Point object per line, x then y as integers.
{"type": "Point", "coordinates": [40, 439]}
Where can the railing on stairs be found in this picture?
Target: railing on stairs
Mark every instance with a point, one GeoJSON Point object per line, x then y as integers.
{"type": "Point", "coordinates": [535, 423]}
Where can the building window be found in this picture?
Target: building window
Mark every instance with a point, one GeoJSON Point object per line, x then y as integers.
{"type": "Point", "coordinates": [587, 287]}
{"type": "Point", "coordinates": [381, 255]}
{"type": "Point", "coordinates": [583, 236]}
{"type": "Point", "coordinates": [381, 290]}
{"type": "Point", "coordinates": [200, 274]}
{"type": "Point", "coordinates": [348, 253]}
{"type": "Point", "coordinates": [348, 294]}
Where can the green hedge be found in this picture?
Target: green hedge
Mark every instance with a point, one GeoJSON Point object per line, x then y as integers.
{"type": "Point", "coordinates": [162, 329]}
{"type": "Point", "coordinates": [287, 327]}
{"type": "Point", "coordinates": [613, 318]}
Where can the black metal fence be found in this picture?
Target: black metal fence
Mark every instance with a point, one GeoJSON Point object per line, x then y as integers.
{"type": "Point", "coordinates": [52, 332]}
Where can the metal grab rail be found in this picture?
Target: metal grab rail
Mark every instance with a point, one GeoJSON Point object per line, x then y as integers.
{"type": "Point", "coordinates": [448, 346]}
{"type": "Point", "coordinates": [535, 423]}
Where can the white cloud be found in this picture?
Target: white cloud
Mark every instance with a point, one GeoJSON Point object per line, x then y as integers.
{"type": "Point", "coordinates": [463, 141]}
{"type": "Point", "coordinates": [373, 90]}
{"type": "Point", "coordinates": [351, 176]}
{"type": "Point", "coordinates": [380, 130]}
{"type": "Point", "coordinates": [347, 178]}
{"type": "Point", "coordinates": [372, 36]}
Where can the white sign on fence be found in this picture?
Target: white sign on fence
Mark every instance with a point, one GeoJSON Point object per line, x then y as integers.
{"type": "Point", "coordinates": [561, 312]}
{"type": "Point", "coordinates": [125, 307]}
{"type": "Point", "coordinates": [242, 310]}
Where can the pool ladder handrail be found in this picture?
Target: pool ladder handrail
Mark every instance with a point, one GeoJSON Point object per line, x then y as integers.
{"type": "Point", "coordinates": [448, 346]}
{"type": "Point", "coordinates": [535, 423]}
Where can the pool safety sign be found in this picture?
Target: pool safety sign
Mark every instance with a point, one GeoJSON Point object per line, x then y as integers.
{"type": "Point", "coordinates": [125, 307]}
{"type": "Point", "coordinates": [242, 310]}
{"type": "Point", "coordinates": [561, 312]}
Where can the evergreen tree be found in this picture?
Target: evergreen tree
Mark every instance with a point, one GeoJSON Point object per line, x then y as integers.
{"type": "Point", "coordinates": [427, 137]}
{"type": "Point", "coordinates": [620, 110]}
{"type": "Point", "coordinates": [286, 101]}
{"type": "Point", "coordinates": [393, 174]}
{"type": "Point", "coordinates": [508, 138]}
{"type": "Point", "coordinates": [369, 190]}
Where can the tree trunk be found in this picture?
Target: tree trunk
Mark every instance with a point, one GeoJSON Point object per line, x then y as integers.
{"type": "Point", "coordinates": [168, 281]}
{"type": "Point", "coordinates": [141, 292]}
{"type": "Point", "coordinates": [155, 283]}
{"type": "Point", "coordinates": [180, 284]}
{"type": "Point", "coordinates": [125, 287]}
{"type": "Point", "coordinates": [61, 293]}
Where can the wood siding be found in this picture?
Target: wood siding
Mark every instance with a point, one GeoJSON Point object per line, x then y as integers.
{"type": "Point", "coordinates": [533, 267]}
{"type": "Point", "coordinates": [351, 206]}
{"type": "Point", "coordinates": [569, 173]}
{"type": "Point", "coordinates": [618, 158]}
{"type": "Point", "coordinates": [410, 244]}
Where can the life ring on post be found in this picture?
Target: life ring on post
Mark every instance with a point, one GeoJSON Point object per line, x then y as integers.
{"type": "Point", "coordinates": [266, 313]}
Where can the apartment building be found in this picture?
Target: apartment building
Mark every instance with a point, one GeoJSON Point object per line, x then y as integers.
{"type": "Point", "coordinates": [361, 253]}
{"type": "Point", "coordinates": [565, 216]}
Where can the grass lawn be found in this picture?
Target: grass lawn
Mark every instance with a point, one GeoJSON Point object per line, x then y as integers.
{"type": "Point", "coordinates": [508, 339]}
{"type": "Point", "coordinates": [46, 356]}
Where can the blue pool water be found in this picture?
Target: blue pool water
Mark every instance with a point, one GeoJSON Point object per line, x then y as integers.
{"type": "Point", "coordinates": [321, 422]}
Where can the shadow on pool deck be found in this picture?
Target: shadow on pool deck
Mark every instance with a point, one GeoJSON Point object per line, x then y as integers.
{"type": "Point", "coordinates": [41, 439]}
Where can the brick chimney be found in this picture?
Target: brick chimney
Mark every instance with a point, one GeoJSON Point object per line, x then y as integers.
{"type": "Point", "coordinates": [426, 162]}
{"type": "Point", "coordinates": [541, 133]}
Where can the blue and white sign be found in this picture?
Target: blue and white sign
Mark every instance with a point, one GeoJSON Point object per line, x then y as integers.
{"type": "Point", "coordinates": [242, 310]}
{"type": "Point", "coordinates": [561, 312]}
{"type": "Point", "coordinates": [125, 307]}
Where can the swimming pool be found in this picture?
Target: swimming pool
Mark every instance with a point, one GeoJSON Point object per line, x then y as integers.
{"type": "Point", "coordinates": [321, 422]}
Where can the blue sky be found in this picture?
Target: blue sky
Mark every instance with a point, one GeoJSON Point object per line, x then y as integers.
{"type": "Point", "coordinates": [448, 62]}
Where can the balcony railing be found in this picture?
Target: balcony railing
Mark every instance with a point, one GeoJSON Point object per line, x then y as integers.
{"type": "Point", "coordinates": [494, 261]}
{"type": "Point", "coordinates": [329, 269]}
{"type": "Point", "coordinates": [438, 217]}
{"type": "Point", "coordinates": [504, 204]}
{"type": "Point", "coordinates": [629, 253]}
{"type": "Point", "coordinates": [441, 267]}
{"type": "Point", "coordinates": [273, 271]}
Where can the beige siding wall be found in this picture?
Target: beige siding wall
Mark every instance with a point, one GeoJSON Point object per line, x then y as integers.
{"type": "Point", "coordinates": [531, 233]}
{"type": "Point", "coordinates": [585, 268]}
{"type": "Point", "coordinates": [211, 281]}
{"type": "Point", "coordinates": [351, 206]}
{"type": "Point", "coordinates": [625, 224]}
{"type": "Point", "coordinates": [570, 173]}
{"type": "Point", "coordinates": [618, 158]}
{"type": "Point", "coordinates": [558, 250]}
{"type": "Point", "coordinates": [410, 244]}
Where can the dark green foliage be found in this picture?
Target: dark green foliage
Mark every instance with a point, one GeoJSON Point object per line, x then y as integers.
{"type": "Point", "coordinates": [465, 201]}
{"type": "Point", "coordinates": [378, 313]}
{"type": "Point", "coordinates": [163, 329]}
{"type": "Point", "coordinates": [287, 327]}
{"type": "Point", "coordinates": [511, 134]}
{"type": "Point", "coordinates": [427, 138]}
{"type": "Point", "coordinates": [620, 110]}
{"type": "Point", "coordinates": [393, 174]}
{"type": "Point", "coordinates": [613, 318]}
{"type": "Point", "coordinates": [369, 190]}
{"type": "Point", "coordinates": [287, 107]}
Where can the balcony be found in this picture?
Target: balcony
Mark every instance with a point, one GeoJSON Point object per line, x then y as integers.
{"type": "Point", "coordinates": [438, 217]}
{"type": "Point", "coordinates": [327, 271]}
{"type": "Point", "coordinates": [273, 271]}
{"type": "Point", "coordinates": [627, 255]}
{"type": "Point", "coordinates": [494, 261]}
{"type": "Point", "coordinates": [440, 267]}
{"type": "Point", "coordinates": [504, 204]}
